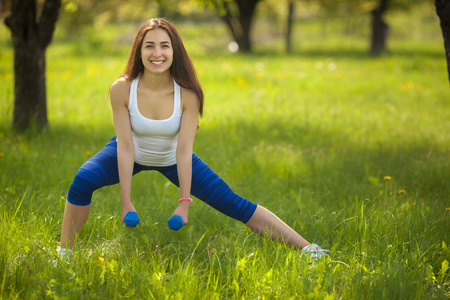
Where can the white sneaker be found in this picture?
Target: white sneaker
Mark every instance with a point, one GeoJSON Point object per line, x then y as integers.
{"type": "Point", "coordinates": [314, 251]}
{"type": "Point", "coordinates": [64, 254]}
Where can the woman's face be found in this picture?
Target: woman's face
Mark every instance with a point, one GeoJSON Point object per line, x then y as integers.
{"type": "Point", "coordinates": [157, 51]}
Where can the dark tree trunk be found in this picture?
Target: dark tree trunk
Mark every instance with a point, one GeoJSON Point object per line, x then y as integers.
{"type": "Point", "coordinates": [161, 9]}
{"type": "Point", "coordinates": [240, 24]}
{"type": "Point", "coordinates": [30, 105]}
{"type": "Point", "coordinates": [290, 22]}
{"type": "Point", "coordinates": [380, 29]}
{"type": "Point", "coordinates": [31, 34]}
{"type": "Point", "coordinates": [443, 11]}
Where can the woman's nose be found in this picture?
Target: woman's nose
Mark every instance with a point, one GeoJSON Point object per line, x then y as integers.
{"type": "Point", "coordinates": [157, 52]}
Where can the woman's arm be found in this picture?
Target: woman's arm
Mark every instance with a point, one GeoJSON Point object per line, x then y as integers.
{"type": "Point", "coordinates": [189, 122]}
{"type": "Point", "coordinates": [119, 94]}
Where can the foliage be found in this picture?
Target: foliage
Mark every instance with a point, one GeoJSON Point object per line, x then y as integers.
{"type": "Point", "coordinates": [79, 14]}
{"type": "Point", "coordinates": [350, 151]}
{"type": "Point", "coordinates": [347, 8]}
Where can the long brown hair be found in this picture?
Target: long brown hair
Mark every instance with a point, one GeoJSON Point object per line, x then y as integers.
{"type": "Point", "coordinates": [182, 69]}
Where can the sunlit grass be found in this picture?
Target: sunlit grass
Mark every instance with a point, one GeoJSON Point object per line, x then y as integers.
{"type": "Point", "coordinates": [350, 150]}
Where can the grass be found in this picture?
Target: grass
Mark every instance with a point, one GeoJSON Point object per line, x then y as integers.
{"type": "Point", "coordinates": [310, 135]}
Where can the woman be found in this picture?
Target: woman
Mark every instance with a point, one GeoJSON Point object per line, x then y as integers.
{"type": "Point", "coordinates": [156, 105]}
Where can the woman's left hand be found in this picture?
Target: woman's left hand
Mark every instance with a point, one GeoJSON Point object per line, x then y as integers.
{"type": "Point", "coordinates": [183, 211]}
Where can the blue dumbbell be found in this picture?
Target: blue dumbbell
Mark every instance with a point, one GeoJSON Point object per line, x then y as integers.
{"type": "Point", "coordinates": [175, 222]}
{"type": "Point", "coordinates": [131, 219]}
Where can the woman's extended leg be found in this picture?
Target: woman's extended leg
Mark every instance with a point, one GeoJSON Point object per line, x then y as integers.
{"type": "Point", "coordinates": [264, 222]}
{"type": "Point", "coordinates": [210, 188]}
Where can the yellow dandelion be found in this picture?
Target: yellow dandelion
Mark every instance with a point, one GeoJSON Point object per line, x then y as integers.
{"type": "Point", "coordinates": [67, 75]}
{"type": "Point", "coordinates": [92, 71]}
{"type": "Point", "coordinates": [447, 209]}
{"type": "Point", "coordinates": [387, 178]}
{"type": "Point", "coordinates": [401, 191]}
{"type": "Point", "coordinates": [88, 153]}
{"type": "Point", "coordinates": [101, 260]}
{"type": "Point", "coordinates": [55, 156]}
{"type": "Point", "coordinates": [240, 81]}
{"type": "Point", "coordinates": [2, 154]}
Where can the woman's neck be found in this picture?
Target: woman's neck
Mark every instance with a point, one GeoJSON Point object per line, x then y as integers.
{"type": "Point", "coordinates": [156, 81]}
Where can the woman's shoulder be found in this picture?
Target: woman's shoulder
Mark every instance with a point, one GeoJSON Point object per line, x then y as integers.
{"type": "Point", "coordinates": [120, 90]}
{"type": "Point", "coordinates": [121, 84]}
{"type": "Point", "coordinates": [188, 98]}
{"type": "Point", "coordinates": [188, 94]}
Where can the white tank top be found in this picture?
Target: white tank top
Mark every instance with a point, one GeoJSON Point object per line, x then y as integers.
{"type": "Point", "coordinates": [155, 141]}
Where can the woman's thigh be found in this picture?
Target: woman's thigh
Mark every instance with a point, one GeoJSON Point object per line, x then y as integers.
{"type": "Point", "coordinates": [99, 171]}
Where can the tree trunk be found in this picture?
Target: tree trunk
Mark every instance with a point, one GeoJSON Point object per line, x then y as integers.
{"type": "Point", "coordinates": [443, 11]}
{"type": "Point", "coordinates": [30, 105]}
{"type": "Point", "coordinates": [161, 9]}
{"type": "Point", "coordinates": [290, 22]}
{"type": "Point", "coordinates": [380, 29]}
{"type": "Point", "coordinates": [240, 25]}
{"type": "Point", "coordinates": [31, 34]}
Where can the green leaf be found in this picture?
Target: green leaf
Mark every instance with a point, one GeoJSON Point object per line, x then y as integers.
{"type": "Point", "coordinates": [444, 267]}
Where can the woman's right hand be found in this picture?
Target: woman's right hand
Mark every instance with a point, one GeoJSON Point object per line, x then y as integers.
{"type": "Point", "coordinates": [127, 208]}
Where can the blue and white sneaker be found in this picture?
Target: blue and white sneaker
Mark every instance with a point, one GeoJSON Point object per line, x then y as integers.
{"type": "Point", "coordinates": [64, 254]}
{"type": "Point", "coordinates": [314, 251]}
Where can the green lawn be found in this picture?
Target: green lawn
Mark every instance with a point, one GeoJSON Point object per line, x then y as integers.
{"type": "Point", "coordinates": [311, 136]}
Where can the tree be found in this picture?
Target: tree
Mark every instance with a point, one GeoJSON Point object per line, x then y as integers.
{"type": "Point", "coordinates": [31, 34]}
{"type": "Point", "coordinates": [289, 23]}
{"type": "Point", "coordinates": [443, 11]}
{"type": "Point", "coordinates": [238, 16]}
{"type": "Point", "coordinates": [380, 28]}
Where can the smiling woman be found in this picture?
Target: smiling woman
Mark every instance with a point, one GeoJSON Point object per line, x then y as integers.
{"type": "Point", "coordinates": [157, 52]}
{"type": "Point", "coordinates": [156, 105]}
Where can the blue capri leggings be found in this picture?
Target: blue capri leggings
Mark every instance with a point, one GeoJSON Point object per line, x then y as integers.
{"type": "Point", "coordinates": [102, 170]}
